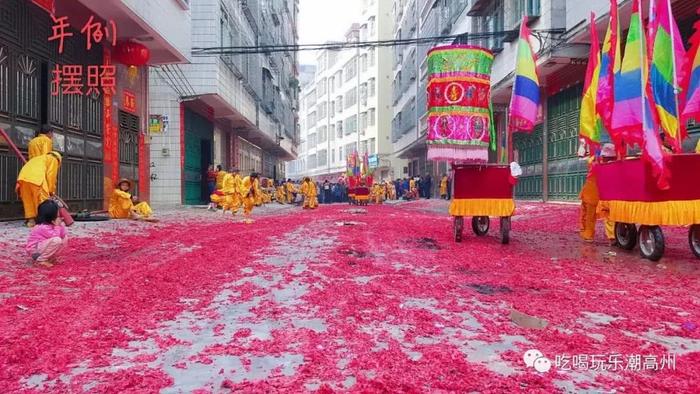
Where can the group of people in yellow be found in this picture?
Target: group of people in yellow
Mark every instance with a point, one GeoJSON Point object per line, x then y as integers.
{"type": "Point", "coordinates": [233, 192]}
{"type": "Point", "coordinates": [38, 181]}
{"type": "Point", "coordinates": [382, 191]}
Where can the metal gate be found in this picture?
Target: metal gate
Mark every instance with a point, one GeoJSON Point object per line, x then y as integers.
{"type": "Point", "coordinates": [199, 134]}
{"type": "Point", "coordinates": [129, 129]}
{"type": "Point", "coordinates": [566, 173]}
{"type": "Point", "coordinates": [26, 61]}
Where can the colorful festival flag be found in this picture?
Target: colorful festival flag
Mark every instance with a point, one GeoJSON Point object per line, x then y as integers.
{"type": "Point", "coordinates": [692, 105]}
{"type": "Point", "coordinates": [633, 118]}
{"type": "Point", "coordinates": [609, 65]}
{"type": "Point", "coordinates": [525, 99]}
{"type": "Point", "coordinates": [630, 85]}
{"type": "Point", "coordinates": [667, 71]}
{"type": "Point", "coordinates": [590, 122]}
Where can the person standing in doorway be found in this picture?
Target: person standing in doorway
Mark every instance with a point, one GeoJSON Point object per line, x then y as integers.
{"type": "Point", "coordinates": [42, 143]}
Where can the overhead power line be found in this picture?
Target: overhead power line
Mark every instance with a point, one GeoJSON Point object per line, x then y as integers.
{"type": "Point", "coordinates": [257, 49]}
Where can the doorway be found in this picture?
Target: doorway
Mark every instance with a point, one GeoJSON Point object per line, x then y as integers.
{"type": "Point", "coordinates": [199, 134]}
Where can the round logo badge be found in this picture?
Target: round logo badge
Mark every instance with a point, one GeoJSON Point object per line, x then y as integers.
{"type": "Point", "coordinates": [454, 93]}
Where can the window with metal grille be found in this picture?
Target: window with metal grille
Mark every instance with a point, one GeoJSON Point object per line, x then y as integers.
{"type": "Point", "coordinates": [128, 138]}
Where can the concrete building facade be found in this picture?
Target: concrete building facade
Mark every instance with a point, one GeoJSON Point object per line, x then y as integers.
{"type": "Point", "coordinates": [345, 107]}
{"type": "Point", "coordinates": [101, 132]}
{"type": "Point", "coordinates": [561, 41]}
{"type": "Point", "coordinates": [229, 109]}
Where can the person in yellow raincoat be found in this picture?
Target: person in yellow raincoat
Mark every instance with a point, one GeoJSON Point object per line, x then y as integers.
{"type": "Point", "coordinates": [591, 208]}
{"type": "Point", "coordinates": [391, 190]}
{"type": "Point", "coordinates": [267, 190]}
{"type": "Point", "coordinates": [258, 193]}
{"type": "Point", "coordinates": [377, 193]}
{"type": "Point", "coordinates": [231, 190]}
{"type": "Point", "coordinates": [247, 192]}
{"type": "Point", "coordinates": [443, 187]}
{"type": "Point", "coordinates": [308, 189]}
{"type": "Point", "coordinates": [36, 182]}
{"type": "Point", "coordinates": [281, 194]}
{"type": "Point", "coordinates": [290, 190]}
{"type": "Point", "coordinates": [42, 143]}
{"type": "Point", "coordinates": [122, 205]}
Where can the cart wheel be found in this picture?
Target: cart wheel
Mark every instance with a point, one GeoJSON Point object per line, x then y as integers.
{"type": "Point", "coordinates": [480, 225]}
{"type": "Point", "coordinates": [458, 228]}
{"type": "Point", "coordinates": [694, 239]}
{"type": "Point", "coordinates": [505, 230]}
{"type": "Point", "coordinates": [626, 235]}
{"type": "Point", "coordinates": [651, 242]}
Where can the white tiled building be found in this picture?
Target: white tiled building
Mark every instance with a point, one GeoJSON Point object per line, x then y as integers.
{"type": "Point", "coordinates": [345, 107]}
{"type": "Point", "coordinates": [229, 109]}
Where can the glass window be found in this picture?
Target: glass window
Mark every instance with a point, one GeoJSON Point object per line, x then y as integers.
{"type": "Point", "coordinates": [351, 98]}
{"type": "Point", "coordinates": [371, 115]}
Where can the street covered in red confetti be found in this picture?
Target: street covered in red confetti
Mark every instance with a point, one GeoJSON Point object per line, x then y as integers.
{"type": "Point", "coordinates": [371, 299]}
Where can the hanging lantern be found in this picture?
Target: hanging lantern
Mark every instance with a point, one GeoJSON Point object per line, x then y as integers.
{"type": "Point", "coordinates": [132, 53]}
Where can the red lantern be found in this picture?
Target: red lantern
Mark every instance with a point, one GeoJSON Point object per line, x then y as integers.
{"type": "Point", "coordinates": [131, 53]}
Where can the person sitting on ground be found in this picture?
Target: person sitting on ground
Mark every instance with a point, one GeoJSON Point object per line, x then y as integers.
{"type": "Point", "coordinates": [121, 205]}
{"type": "Point", "coordinates": [48, 238]}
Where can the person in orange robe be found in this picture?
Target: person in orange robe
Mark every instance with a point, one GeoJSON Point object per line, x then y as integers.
{"type": "Point", "coordinates": [36, 182]}
{"type": "Point", "coordinates": [42, 143]}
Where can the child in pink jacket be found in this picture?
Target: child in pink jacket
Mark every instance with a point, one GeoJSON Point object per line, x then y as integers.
{"type": "Point", "coordinates": [48, 238]}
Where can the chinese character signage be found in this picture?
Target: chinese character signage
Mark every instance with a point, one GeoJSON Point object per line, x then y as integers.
{"type": "Point", "coordinates": [129, 101]}
{"type": "Point", "coordinates": [72, 79]}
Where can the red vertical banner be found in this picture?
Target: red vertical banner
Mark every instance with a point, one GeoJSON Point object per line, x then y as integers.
{"type": "Point", "coordinates": [109, 140]}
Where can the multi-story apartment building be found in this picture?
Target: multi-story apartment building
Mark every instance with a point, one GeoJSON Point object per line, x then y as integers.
{"type": "Point", "coordinates": [345, 107]}
{"type": "Point", "coordinates": [561, 40]}
{"type": "Point", "coordinates": [230, 109]}
{"type": "Point", "coordinates": [47, 77]}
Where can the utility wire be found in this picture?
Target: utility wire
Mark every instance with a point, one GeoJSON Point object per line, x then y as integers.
{"type": "Point", "coordinates": [242, 50]}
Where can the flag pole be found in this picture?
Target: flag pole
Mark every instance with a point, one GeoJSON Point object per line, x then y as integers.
{"type": "Point", "coordinates": [645, 69]}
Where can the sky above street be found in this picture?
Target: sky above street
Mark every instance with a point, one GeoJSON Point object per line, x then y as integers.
{"type": "Point", "coordinates": [325, 20]}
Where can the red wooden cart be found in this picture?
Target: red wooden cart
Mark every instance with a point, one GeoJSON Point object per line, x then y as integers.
{"type": "Point", "coordinates": [482, 191]}
{"type": "Point", "coordinates": [630, 197]}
